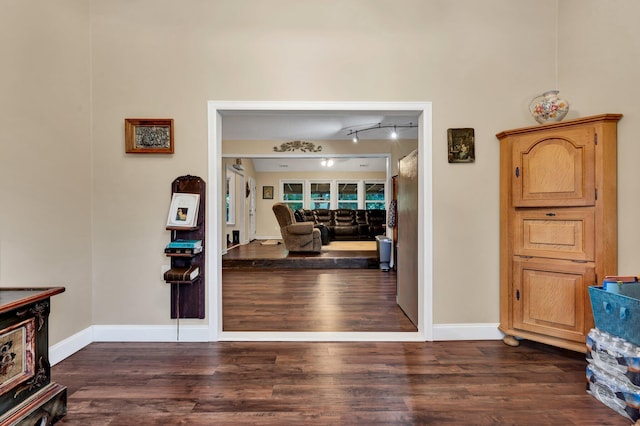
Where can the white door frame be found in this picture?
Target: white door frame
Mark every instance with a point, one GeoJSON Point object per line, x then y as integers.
{"type": "Point", "coordinates": [425, 222]}
{"type": "Point", "coordinates": [252, 209]}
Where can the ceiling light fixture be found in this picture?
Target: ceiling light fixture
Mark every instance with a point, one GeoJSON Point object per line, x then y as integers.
{"type": "Point", "coordinates": [394, 133]}
{"type": "Point", "coordinates": [326, 162]}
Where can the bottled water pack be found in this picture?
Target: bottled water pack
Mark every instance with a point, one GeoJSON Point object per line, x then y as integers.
{"type": "Point", "coordinates": [615, 355]}
{"type": "Point", "coordinates": [615, 393]}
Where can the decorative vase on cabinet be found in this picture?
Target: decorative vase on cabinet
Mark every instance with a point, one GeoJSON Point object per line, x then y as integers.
{"type": "Point", "coordinates": [548, 107]}
{"type": "Point", "coordinates": [558, 227]}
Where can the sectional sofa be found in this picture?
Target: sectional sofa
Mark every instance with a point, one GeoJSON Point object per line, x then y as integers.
{"type": "Point", "coordinates": [346, 224]}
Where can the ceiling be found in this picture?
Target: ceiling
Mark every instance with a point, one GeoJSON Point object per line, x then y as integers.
{"type": "Point", "coordinates": [340, 164]}
{"type": "Point", "coordinates": [286, 126]}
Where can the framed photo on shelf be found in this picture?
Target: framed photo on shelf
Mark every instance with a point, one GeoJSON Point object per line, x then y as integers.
{"type": "Point", "coordinates": [148, 136]}
{"type": "Point", "coordinates": [183, 212]}
{"type": "Point", "coordinates": [267, 192]}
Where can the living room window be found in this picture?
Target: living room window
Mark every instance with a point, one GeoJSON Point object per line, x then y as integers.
{"type": "Point", "coordinates": [374, 195]}
{"type": "Point", "coordinates": [320, 195]}
{"type": "Point", "coordinates": [293, 194]}
{"type": "Point", "coordinates": [348, 195]}
{"type": "Point", "coordinates": [332, 194]}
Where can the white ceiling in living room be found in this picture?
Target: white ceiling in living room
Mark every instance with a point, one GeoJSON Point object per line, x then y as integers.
{"type": "Point", "coordinates": [313, 126]}
{"type": "Point", "coordinates": [340, 164]}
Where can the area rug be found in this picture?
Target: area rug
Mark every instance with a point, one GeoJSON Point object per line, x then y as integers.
{"type": "Point", "coordinates": [270, 242]}
{"type": "Point", "coordinates": [350, 246]}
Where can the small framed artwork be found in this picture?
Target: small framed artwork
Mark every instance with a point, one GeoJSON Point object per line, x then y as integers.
{"type": "Point", "coordinates": [267, 192]}
{"type": "Point", "coordinates": [183, 212]}
{"type": "Point", "coordinates": [461, 145]}
{"type": "Point", "coordinates": [148, 136]}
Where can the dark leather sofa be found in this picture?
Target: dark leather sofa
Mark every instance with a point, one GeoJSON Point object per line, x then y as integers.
{"type": "Point", "coordinates": [346, 224]}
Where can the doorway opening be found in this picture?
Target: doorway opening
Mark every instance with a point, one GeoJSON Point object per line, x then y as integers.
{"type": "Point", "coordinates": [216, 177]}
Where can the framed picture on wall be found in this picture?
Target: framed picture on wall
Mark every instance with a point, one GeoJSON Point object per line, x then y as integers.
{"type": "Point", "coordinates": [267, 192]}
{"type": "Point", "coordinates": [148, 136]}
{"type": "Point", "coordinates": [461, 144]}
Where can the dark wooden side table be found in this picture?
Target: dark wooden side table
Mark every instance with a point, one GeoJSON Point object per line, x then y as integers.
{"type": "Point", "coordinates": [27, 394]}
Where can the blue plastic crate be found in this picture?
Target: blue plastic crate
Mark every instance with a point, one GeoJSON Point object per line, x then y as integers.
{"type": "Point", "coordinates": [617, 313]}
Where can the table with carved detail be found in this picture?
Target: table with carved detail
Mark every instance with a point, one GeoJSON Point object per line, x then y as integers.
{"type": "Point", "coordinates": [27, 394]}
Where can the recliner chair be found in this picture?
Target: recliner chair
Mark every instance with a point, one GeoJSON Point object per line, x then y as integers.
{"type": "Point", "coordinates": [297, 236]}
{"type": "Point", "coordinates": [345, 225]}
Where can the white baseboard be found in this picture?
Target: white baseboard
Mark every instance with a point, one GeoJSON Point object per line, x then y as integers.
{"type": "Point", "coordinates": [70, 345]}
{"type": "Point", "coordinates": [489, 331]}
{"type": "Point", "coordinates": [150, 333]}
{"type": "Point", "coordinates": [200, 333]}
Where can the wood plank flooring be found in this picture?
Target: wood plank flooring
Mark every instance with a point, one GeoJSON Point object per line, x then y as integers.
{"type": "Point", "coordinates": [311, 300]}
{"type": "Point", "coordinates": [267, 383]}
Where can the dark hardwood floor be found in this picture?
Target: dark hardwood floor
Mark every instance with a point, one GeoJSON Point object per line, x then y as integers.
{"type": "Point", "coordinates": [266, 288]}
{"type": "Point", "coordinates": [324, 383]}
{"type": "Point", "coordinates": [265, 383]}
{"type": "Point", "coordinates": [311, 300]}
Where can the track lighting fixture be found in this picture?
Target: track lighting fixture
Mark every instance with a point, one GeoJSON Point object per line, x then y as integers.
{"type": "Point", "coordinates": [394, 132]}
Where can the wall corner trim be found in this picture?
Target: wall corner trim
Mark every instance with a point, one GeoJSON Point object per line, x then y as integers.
{"type": "Point", "coordinates": [70, 345]}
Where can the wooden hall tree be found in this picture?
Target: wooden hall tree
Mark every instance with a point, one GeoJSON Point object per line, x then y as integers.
{"type": "Point", "coordinates": [558, 227]}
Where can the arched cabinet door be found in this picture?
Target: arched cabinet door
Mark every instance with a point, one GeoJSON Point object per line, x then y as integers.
{"type": "Point", "coordinates": [555, 169]}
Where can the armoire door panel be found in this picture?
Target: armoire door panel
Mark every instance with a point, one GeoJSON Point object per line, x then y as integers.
{"type": "Point", "coordinates": [556, 233]}
{"type": "Point", "coordinates": [551, 298]}
{"type": "Point", "coordinates": [554, 170]}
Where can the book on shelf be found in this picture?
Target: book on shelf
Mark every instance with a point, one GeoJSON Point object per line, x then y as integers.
{"type": "Point", "coordinates": [187, 273]}
{"type": "Point", "coordinates": [184, 244]}
{"type": "Point", "coordinates": [195, 250]}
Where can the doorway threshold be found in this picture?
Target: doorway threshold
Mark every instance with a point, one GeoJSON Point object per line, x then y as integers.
{"type": "Point", "coordinates": [320, 336]}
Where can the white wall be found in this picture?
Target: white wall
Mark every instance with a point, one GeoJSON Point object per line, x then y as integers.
{"type": "Point", "coordinates": [168, 60]}
{"type": "Point", "coordinates": [77, 69]}
{"type": "Point", "coordinates": [46, 155]}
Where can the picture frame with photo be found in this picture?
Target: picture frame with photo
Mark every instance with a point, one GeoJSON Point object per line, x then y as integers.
{"type": "Point", "coordinates": [267, 192]}
{"type": "Point", "coordinates": [148, 136]}
{"type": "Point", "coordinates": [183, 212]}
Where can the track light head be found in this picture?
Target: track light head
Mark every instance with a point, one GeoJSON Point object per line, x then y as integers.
{"type": "Point", "coordinates": [393, 135]}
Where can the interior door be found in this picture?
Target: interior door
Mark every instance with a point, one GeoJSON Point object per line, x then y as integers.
{"type": "Point", "coordinates": [407, 247]}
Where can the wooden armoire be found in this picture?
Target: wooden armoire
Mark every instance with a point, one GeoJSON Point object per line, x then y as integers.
{"type": "Point", "coordinates": [558, 227]}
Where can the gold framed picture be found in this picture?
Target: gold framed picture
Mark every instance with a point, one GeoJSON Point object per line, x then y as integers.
{"type": "Point", "coordinates": [148, 136]}
{"type": "Point", "coordinates": [461, 145]}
